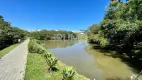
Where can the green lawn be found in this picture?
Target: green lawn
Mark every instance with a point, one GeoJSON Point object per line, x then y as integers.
{"type": "Point", "coordinates": [7, 49]}
{"type": "Point", "coordinates": [37, 69]}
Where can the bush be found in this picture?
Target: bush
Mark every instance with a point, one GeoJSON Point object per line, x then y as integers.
{"type": "Point", "coordinates": [31, 46]}
{"type": "Point", "coordinates": [68, 73]}
{"type": "Point", "coordinates": [51, 61]}
{"type": "Point", "coordinates": [10, 35]}
{"type": "Point", "coordinates": [52, 35]}
{"type": "Point", "coordinates": [47, 55]}
{"type": "Point", "coordinates": [41, 49]}
{"type": "Point", "coordinates": [34, 47]}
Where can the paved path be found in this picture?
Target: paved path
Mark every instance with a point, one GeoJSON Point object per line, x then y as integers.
{"type": "Point", "coordinates": [12, 65]}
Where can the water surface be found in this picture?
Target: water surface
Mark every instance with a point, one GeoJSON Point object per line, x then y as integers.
{"type": "Point", "coordinates": [89, 62]}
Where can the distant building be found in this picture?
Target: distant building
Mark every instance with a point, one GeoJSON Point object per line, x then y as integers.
{"type": "Point", "coordinates": [56, 30]}
{"type": "Point", "coordinates": [33, 30]}
{"type": "Point", "coordinates": [80, 32]}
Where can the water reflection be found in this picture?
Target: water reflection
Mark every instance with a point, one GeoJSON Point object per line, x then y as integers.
{"type": "Point", "coordinates": [108, 66]}
{"type": "Point", "coordinates": [89, 62]}
{"type": "Point", "coordinates": [51, 44]}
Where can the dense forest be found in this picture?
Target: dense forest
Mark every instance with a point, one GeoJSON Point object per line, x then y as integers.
{"type": "Point", "coordinates": [9, 35]}
{"type": "Point", "coordinates": [121, 28]}
{"type": "Point", "coordinates": [52, 35]}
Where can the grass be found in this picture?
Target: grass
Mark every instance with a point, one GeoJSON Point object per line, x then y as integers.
{"type": "Point", "coordinates": [37, 69]}
{"type": "Point", "coordinates": [7, 49]}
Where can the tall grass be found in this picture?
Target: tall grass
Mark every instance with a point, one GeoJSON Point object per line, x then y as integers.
{"type": "Point", "coordinates": [34, 47]}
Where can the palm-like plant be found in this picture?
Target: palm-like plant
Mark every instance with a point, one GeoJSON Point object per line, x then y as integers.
{"type": "Point", "coordinates": [47, 55]}
{"type": "Point", "coordinates": [51, 61]}
{"type": "Point", "coordinates": [68, 73]}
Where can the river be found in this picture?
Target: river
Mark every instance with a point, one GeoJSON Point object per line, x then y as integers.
{"type": "Point", "coordinates": [88, 61]}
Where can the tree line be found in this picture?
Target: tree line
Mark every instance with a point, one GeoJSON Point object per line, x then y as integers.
{"type": "Point", "coordinates": [9, 35]}
{"type": "Point", "coordinates": [121, 28]}
{"type": "Point", "coordinates": [52, 35]}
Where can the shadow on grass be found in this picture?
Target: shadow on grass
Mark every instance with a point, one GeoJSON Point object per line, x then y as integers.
{"type": "Point", "coordinates": [54, 69]}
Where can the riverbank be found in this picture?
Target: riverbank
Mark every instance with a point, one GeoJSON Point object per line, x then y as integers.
{"type": "Point", "coordinates": [131, 62]}
{"type": "Point", "coordinates": [37, 69]}
{"type": "Point", "coordinates": [92, 63]}
{"type": "Point", "coordinates": [8, 49]}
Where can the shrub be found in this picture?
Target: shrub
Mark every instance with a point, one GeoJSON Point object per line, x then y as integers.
{"type": "Point", "coordinates": [47, 55]}
{"type": "Point", "coordinates": [34, 47]}
{"type": "Point", "coordinates": [41, 49]}
{"type": "Point", "coordinates": [68, 73]}
{"type": "Point", "coordinates": [52, 61]}
{"type": "Point", "coordinates": [31, 46]}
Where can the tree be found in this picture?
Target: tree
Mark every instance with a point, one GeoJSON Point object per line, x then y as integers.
{"type": "Point", "coordinates": [9, 35]}
{"type": "Point", "coordinates": [52, 34]}
{"type": "Point", "coordinates": [121, 26]}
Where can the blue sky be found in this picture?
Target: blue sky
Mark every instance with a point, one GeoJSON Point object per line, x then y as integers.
{"type": "Point", "coordinates": [53, 14]}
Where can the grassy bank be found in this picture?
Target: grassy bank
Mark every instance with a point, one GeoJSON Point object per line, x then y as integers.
{"type": "Point", "coordinates": [37, 69]}
{"type": "Point", "coordinates": [7, 49]}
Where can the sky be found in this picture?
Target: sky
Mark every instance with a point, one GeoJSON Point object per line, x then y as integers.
{"type": "Point", "coordinates": [72, 15]}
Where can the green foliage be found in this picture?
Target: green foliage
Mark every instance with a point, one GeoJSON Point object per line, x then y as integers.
{"type": "Point", "coordinates": [36, 69]}
{"type": "Point", "coordinates": [51, 61]}
{"type": "Point", "coordinates": [34, 47]}
{"type": "Point", "coordinates": [94, 29]}
{"type": "Point", "coordinates": [52, 35]}
{"type": "Point", "coordinates": [68, 73]}
{"type": "Point", "coordinates": [121, 26]}
{"type": "Point", "coordinates": [47, 55]}
{"type": "Point", "coordinates": [37, 66]}
{"type": "Point", "coordinates": [9, 35]}
{"type": "Point", "coordinates": [31, 46]}
{"type": "Point", "coordinates": [93, 36]}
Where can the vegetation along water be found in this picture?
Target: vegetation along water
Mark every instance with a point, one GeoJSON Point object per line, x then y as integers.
{"type": "Point", "coordinates": [112, 51]}
{"type": "Point", "coordinates": [90, 62]}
